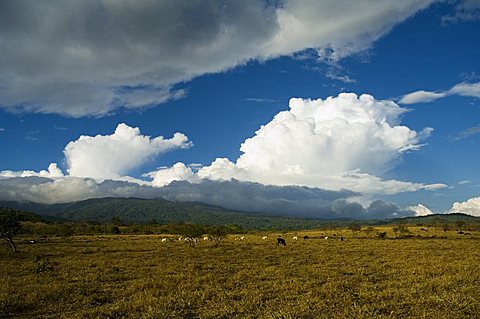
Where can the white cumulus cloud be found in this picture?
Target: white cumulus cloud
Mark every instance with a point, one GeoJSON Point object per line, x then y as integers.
{"type": "Point", "coordinates": [420, 210]}
{"type": "Point", "coordinates": [53, 171]}
{"type": "Point", "coordinates": [346, 141]}
{"type": "Point", "coordinates": [178, 172]}
{"type": "Point", "coordinates": [92, 57]}
{"type": "Point", "coordinates": [113, 156]}
{"type": "Point", "coordinates": [470, 207]}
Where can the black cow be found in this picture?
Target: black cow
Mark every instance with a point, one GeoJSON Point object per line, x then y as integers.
{"type": "Point", "coordinates": [305, 237]}
{"type": "Point", "coordinates": [281, 242]}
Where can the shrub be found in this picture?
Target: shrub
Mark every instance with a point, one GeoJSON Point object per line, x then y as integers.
{"type": "Point", "coordinates": [115, 230]}
{"type": "Point", "coordinates": [382, 235]}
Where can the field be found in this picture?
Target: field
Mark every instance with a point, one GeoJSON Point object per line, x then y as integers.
{"type": "Point", "coordinates": [138, 276]}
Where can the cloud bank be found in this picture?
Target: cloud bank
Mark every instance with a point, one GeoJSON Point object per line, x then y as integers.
{"type": "Point", "coordinates": [236, 195]}
{"type": "Point", "coordinates": [91, 57]}
{"type": "Point", "coordinates": [347, 141]}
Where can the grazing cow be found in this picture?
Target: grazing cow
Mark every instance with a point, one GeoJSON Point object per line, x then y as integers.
{"type": "Point", "coordinates": [281, 242]}
{"type": "Point", "coordinates": [205, 238]}
{"type": "Point", "coordinates": [242, 238]}
{"type": "Point", "coordinates": [305, 237]}
{"type": "Point", "coordinates": [295, 238]}
{"type": "Point", "coordinates": [326, 238]}
{"type": "Point", "coordinates": [164, 240]}
{"type": "Point", "coordinates": [264, 238]}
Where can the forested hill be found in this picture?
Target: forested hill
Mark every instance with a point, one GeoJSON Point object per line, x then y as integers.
{"type": "Point", "coordinates": [136, 210]}
{"type": "Point", "coordinates": [436, 219]}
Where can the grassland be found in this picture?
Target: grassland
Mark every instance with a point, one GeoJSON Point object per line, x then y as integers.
{"type": "Point", "coordinates": [138, 276]}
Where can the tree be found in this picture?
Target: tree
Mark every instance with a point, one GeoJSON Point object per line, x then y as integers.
{"type": "Point", "coordinates": [191, 232]}
{"type": "Point", "coordinates": [218, 233]}
{"type": "Point", "coordinates": [117, 221]}
{"type": "Point", "coordinates": [382, 235]}
{"type": "Point", "coordinates": [9, 226]}
{"type": "Point", "coordinates": [355, 227]}
{"type": "Point", "coordinates": [460, 224]}
{"type": "Point", "coordinates": [369, 231]}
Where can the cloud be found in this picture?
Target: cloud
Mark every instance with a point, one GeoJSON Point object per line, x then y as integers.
{"type": "Point", "coordinates": [462, 89]}
{"type": "Point", "coordinates": [52, 172]}
{"type": "Point", "coordinates": [420, 210]}
{"type": "Point", "coordinates": [113, 156]}
{"type": "Point", "coordinates": [379, 209]}
{"type": "Point", "coordinates": [243, 196]}
{"type": "Point", "coordinates": [465, 11]}
{"type": "Point", "coordinates": [421, 97]}
{"type": "Point", "coordinates": [46, 190]}
{"type": "Point", "coordinates": [470, 207]}
{"type": "Point", "coordinates": [178, 172]}
{"type": "Point", "coordinates": [435, 186]}
{"type": "Point", "coordinates": [340, 142]}
{"type": "Point", "coordinates": [260, 100]}
{"type": "Point", "coordinates": [474, 130]}
{"type": "Point", "coordinates": [339, 28]}
{"type": "Point", "coordinates": [90, 58]}
{"type": "Point", "coordinates": [343, 78]}
{"type": "Point", "coordinates": [343, 142]}
{"type": "Point", "coordinates": [466, 89]}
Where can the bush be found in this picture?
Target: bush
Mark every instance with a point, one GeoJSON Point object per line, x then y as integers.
{"type": "Point", "coordinates": [42, 265]}
{"type": "Point", "coordinates": [115, 230]}
{"type": "Point", "coordinates": [382, 235]}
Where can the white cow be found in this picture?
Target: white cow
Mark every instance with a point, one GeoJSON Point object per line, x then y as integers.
{"type": "Point", "coordinates": [242, 238]}
{"type": "Point", "coordinates": [164, 240]}
{"type": "Point", "coordinates": [326, 238]}
{"type": "Point", "coordinates": [295, 238]}
{"type": "Point", "coordinates": [205, 238]}
{"type": "Point", "coordinates": [264, 238]}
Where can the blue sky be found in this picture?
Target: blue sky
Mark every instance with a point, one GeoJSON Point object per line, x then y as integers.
{"type": "Point", "coordinates": [218, 93]}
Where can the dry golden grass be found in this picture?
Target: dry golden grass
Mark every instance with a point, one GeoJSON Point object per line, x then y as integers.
{"type": "Point", "coordinates": [122, 276]}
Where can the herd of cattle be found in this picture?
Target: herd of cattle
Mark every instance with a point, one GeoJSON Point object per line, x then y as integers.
{"type": "Point", "coordinates": [280, 240]}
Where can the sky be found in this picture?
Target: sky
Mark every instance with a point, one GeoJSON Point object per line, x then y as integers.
{"type": "Point", "coordinates": [322, 109]}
